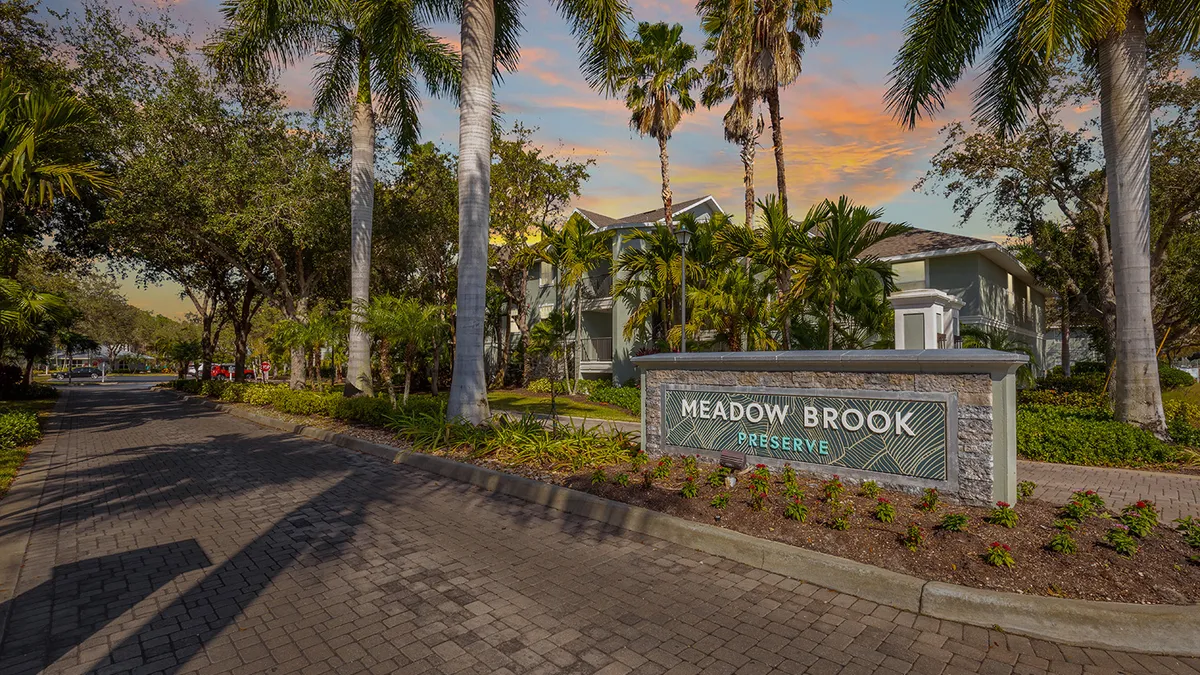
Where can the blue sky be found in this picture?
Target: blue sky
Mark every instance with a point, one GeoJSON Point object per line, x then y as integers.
{"type": "Point", "coordinates": [838, 137]}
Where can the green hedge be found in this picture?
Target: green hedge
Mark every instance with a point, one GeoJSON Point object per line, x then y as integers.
{"type": "Point", "coordinates": [1089, 437]}
{"type": "Point", "coordinates": [629, 398]}
{"type": "Point", "coordinates": [1174, 378]}
{"type": "Point", "coordinates": [30, 392]}
{"type": "Point", "coordinates": [362, 409]}
{"type": "Point", "coordinates": [1088, 382]}
{"type": "Point", "coordinates": [1068, 399]}
{"type": "Point", "coordinates": [18, 427]}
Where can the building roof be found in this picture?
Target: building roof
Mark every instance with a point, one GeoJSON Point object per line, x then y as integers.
{"type": "Point", "coordinates": [603, 222]}
{"type": "Point", "coordinates": [917, 241]}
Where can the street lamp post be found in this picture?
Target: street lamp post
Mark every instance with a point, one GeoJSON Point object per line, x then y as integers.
{"type": "Point", "coordinates": [683, 236]}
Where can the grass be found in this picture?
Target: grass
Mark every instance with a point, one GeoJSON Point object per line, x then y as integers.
{"type": "Point", "coordinates": [525, 402]}
{"type": "Point", "coordinates": [1186, 394]}
{"type": "Point", "coordinates": [12, 459]}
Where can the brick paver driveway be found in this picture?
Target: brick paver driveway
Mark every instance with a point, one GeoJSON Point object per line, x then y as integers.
{"type": "Point", "coordinates": [1176, 494]}
{"type": "Point", "coordinates": [171, 538]}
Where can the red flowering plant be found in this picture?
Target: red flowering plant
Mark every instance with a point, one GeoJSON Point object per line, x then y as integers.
{"type": "Point", "coordinates": [833, 489]}
{"type": "Point", "coordinates": [1003, 515]}
{"type": "Point", "coordinates": [1140, 518]}
{"type": "Point", "coordinates": [884, 511]}
{"type": "Point", "coordinates": [1090, 498]}
{"type": "Point", "coordinates": [796, 510]}
{"type": "Point", "coordinates": [689, 489]}
{"type": "Point", "coordinates": [999, 555]}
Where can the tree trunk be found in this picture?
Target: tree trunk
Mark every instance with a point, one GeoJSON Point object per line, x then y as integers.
{"type": "Point", "coordinates": [578, 336]}
{"type": "Point", "coordinates": [1066, 335]}
{"type": "Point", "coordinates": [410, 354]}
{"type": "Point", "coordinates": [829, 343]}
{"type": "Point", "coordinates": [468, 384]}
{"type": "Point", "coordinates": [777, 139]}
{"type": "Point", "coordinates": [28, 379]}
{"type": "Point", "coordinates": [781, 286]}
{"type": "Point", "coordinates": [362, 206]}
{"type": "Point", "coordinates": [206, 347]}
{"type": "Point", "coordinates": [748, 149]}
{"type": "Point", "coordinates": [666, 182]}
{"type": "Point", "coordinates": [505, 351]}
{"type": "Point", "coordinates": [437, 367]}
{"type": "Point", "coordinates": [297, 374]}
{"type": "Point", "coordinates": [1125, 127]}
{"type": "Point", "coordinates": [385, 368]}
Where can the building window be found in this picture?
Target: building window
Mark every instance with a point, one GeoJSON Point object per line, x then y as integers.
{"type": "Point", "coordinates": [544, 311]}
{"type": "Point", "coordinates": [910, 276]}
{"type": "Point", "coordinates": [547, 274]}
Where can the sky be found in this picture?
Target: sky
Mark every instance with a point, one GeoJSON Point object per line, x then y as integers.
{"type": "Point", "coordinates": [838, 136]}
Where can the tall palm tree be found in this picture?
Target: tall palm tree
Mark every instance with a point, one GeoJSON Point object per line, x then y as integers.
{"type": "Point", "coordinates": [371, 56]}
{"type": "Point", "coordinates": [944, 37]}
{"type": "Point", "coordinates": [489, 36]}
{"type": "Point", "coordinates": [575, 250]}
{"type": "Point", "coordinates": [647, 280]}
{"type": "Point", "coordinates": [658, 90]}
{"type": "Point", "coordinates": [762, 42]}
{"type": "Point", "coordinates": [38, 161]}
{"type": "Point", "coordinates": [835, 255]}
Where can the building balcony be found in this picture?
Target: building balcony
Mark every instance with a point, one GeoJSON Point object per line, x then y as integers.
{"type": "Point", "coordinates": [596, 292]}
{"type": "Point", "coordinates": [597, 355]}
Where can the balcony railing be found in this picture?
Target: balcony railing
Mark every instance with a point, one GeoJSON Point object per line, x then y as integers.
{"type": "Point", "coordinates": [597, 349]}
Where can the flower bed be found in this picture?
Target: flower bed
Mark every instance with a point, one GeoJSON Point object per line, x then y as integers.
{"type": "Point", "coordinates": [1083, 549]}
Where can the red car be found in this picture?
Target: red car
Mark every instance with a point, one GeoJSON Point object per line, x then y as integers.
{"type": "Point", "coordinates": [225, 371]}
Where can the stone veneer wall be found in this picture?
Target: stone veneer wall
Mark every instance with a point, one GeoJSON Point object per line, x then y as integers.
{"type": "Point", "coordinates": [975, 465]}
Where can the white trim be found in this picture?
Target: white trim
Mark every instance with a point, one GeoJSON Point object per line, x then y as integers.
{"type": "Point", "coordinates": [1008, 261]}
{"type": "Point", "coordinates": [624, 226]}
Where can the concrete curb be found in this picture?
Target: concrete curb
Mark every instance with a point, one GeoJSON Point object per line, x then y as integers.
{"type": "Point", "coordinates": [24, 496]}
{"type": "Point", "coordinates": [1158, 629]}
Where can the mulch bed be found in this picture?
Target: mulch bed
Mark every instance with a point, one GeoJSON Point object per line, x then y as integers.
{"type": "Point", "coordinates": [1162, 572]}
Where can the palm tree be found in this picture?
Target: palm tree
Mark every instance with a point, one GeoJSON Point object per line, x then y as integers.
{"type": "Point", "coordinates": [775, 244]}
{"type": "Point", "coordinates": [489, 36]}
{"type": "Point", "coordinates": [400, 321]}
{"type": "Point", "coordinates": [733, 304]}
{"type": "Point", "coordinates": [23, 311]}
{"type": "Point", "coordinates": [761, 42]}
{"type": "Point", "coordinates": [547, 337]}
{"type": "Point", "coordinates": [658, 83]}
{"type": "Point", "coordinates": [943, 38]}
{"type": "Point", "coordinates": [648, 280]}
{"type": "Point", "coordinates": [38, 161]}
{"type": "Point", "coordinates": [575, 250]}
{"type": "Point", "coordinates": [836, 254]}
{"type": "Point", "coordinates": [978, 337]}
{"type": "Point", "coordinates": [371, 56]}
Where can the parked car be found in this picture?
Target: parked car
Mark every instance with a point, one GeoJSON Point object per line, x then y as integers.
{"type": "Point", "coordinates": [225, 371]}
{"type": "Point", "coordinates": [81, 373]}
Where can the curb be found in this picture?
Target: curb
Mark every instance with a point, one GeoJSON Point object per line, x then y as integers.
{"type": "Point", "coordinates": [24, 496]}
{"type": "Point", "coordinates": [1172, 630]}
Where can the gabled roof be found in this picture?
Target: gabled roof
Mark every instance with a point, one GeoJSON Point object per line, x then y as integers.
{"type": "Point", "coordinates": [603, 222]}
{"type": "Point", "coordinates": [918, 244]}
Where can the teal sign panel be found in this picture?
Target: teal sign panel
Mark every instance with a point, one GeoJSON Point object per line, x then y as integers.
{"type": "Point", "coordinates": [902, 433]}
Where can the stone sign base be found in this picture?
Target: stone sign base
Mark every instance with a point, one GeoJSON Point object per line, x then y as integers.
{"type": "Point", "coordinates": [845, 413]}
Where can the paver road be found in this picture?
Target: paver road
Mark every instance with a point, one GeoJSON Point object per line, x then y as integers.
{"type": "Point", "coordinates": [172, 538]}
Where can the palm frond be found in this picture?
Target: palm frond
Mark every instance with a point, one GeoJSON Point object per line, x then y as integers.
{"type": "Point", "coordinates": [599, 30]}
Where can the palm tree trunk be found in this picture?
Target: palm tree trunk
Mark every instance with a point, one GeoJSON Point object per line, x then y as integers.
{"type": "Point", "coordinates": [777, 140]}
{"type": "Point", "coordinates": [297, 376]}
{"type": "Point", "coordinates": [1065, 319]}
{"type": "Point", "coordinates": [410, 352]}
{"type": "Point", "coordinates": [666, 182]}
{"type": "Point", "coordinates": [578, 336]}
{"type": "Point", "coordinates": [782, 290]}
{"type": "Point", "coordinates": [747, 153]}
{"type": "Point", "coordinates": [1125, 127]}
{"type": "Point", "coordinates": [829, 317]}
{"type": "Point", "coordinates": [362, 206]}
{"type": "Point", "coordinates": [385, 367]}
{"type": "Point", "coordinates": [468, 384]}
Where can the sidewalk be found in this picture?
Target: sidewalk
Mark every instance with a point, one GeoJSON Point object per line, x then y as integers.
{"type": "Point", "coordinates": [1177, 495]}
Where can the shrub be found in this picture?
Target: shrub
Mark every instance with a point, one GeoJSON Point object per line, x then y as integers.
{"type": "Point", "coordinates": [1076, 510]}
{"type": "Point", "coordinates": [717, 477]}
{"type": "Point", "coordinates": [1187, 412]}
{"type": "Point", "coordinates": [261, 394]}
{"type": "Point", "coordinates": [720, 501]}
{"type": "Point", "coordinates": [638, 459]}
{"type": "Point", "coordinates": [955, 522]}
{"type": "Point", "coordinates": [1190, 527]}
{"type": "Point", "coordinates": [542, 386]}
{"type": "Point", "coordinates": [1089, 382]}
{"type": "Point", "coordinates": [1025, 489]}
{"type": "Point", "coordinates": [999, 555]}
{"type": "Point", "coordinates": [1090, 497]}
{"type": "Point", "coordinates": [793, 491]}
{"type": "Point", "coordinates": [929, 500]}
{"type": "Point", "coordinates": [28, 392]}
{"type": "Point", "coordinates": [17, 428]}
{"type": "Point", "coordinates": [1066, 399]}
{"type": "Point", "coordinates": [362, 409]}
{"type": "Point", "coordinates": [1140, 518]}
{"type": "Point", "coordinates": [662, 469]}
{"type": "Point", "coordinates": [599, 477]}
{"type": "Point", "coordinates": [1086, 437]}
{"type": "Point", "coordinates": [301, 402]}
{"type": "Point", "coordinates": [913, 537]}
{"type": "Point", "coordinates": [621, 479]}
{"type": "Point", "coordinates": [839, 515]}
{"type": "Point", "coordinates": [689, 489]}
{"type": "Point", "coordinates": [833, 489]}
{"type": "Point", "coordinates": [1062, 543]}
{"type": "Point", "coordinates": [1121, 542]}
{"type": "Point", "coordinates": [628, 398]}
{"type": "Point", "coordinates": [690, 467]}
{"type": "Point", "coordinates": [186, 386]}
{"type": "Point", "coordinates": [1174, 378]}
{"type": "Point", "coordinates": [647, 478]}
{"type": "Point", "coordinates": [1003, 515]}
{"type": "Point", "coordinates": [796, 510]}
{"type": "Point", "coordinates": [869, 489]}
{"type": "Point", "coordinates": [884, 511]}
